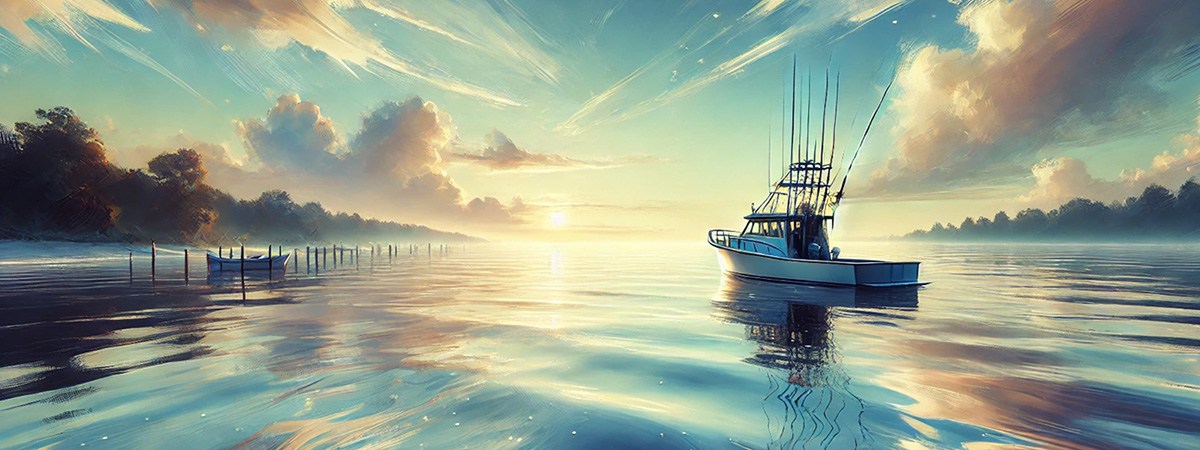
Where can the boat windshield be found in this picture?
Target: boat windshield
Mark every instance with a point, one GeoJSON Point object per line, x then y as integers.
{"type": "Point", "coordinates": [768, 229]}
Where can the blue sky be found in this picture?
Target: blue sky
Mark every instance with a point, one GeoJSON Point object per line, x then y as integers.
{"type": "Point", "coordinates": [631, 119]}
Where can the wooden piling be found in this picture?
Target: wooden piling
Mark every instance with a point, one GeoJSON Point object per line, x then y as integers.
{"type": "Point", "coordinates": [243, 270]}
{"type": "Point", "coordinates": [186, 266]}
{"type": "Point", "coordinates": [153, 259]}
{"type": "Point", "coordinates": [270, 262]}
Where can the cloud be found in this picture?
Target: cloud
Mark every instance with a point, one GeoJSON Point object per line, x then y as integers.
{"type": "Point", "coordinates": [734, 45]}
{"type": "Point", "coordinates": [502, 154]}
{"type": "Point", "coordinates": [392, 164]}
{"type": "Point", "coordinates": [81, 20]}
{"type": "Point", "coordinates": [1062, 179]}
{"type": "Point", "coordinates": [66, 14]}
{"type": "Point", "coordinates": [224, 170]}
{"type": "Point", "coordinates": [316, 24]}
{"type": "Point", "coordinates": [293, 136]}
{"type": "Point", "coordinates": [1040, 72]}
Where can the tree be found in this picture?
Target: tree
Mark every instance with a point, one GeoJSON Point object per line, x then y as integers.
{"type": "Point", "coordinates": [184, 167]}
{"type": "Point", "coordinates": [1081, 217]}
{"type": "Point", "coordinates": [1030, 221]}
{"type": "Point", "coordinates": [185, 203]}
{"type": "Point", "coordinates": [57, 179]}
{"type": "Point", "coordinates": [1001, 225]}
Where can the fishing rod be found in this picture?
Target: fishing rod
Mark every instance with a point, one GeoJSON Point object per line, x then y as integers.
{"type": "Point", "coordinates": [838, 198]}
{"type": "Point", "coordinates": [837, 90]}
{"type": "Point", "coordinates": [821, 158]}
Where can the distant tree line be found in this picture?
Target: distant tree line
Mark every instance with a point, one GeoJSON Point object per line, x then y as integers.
{"type": "Point", "coordinates": [1156, 214]}
{"type": "Point", "coordinates": [56, 183]}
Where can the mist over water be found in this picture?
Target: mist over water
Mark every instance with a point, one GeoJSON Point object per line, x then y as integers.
{"type": "Point", "coordinates": [600, 346]}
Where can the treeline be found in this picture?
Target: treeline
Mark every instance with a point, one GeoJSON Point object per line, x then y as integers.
{"type": "Point", "coordinates": [1156, 214]}
{"type": "Point", "coordinates": [56, 183]}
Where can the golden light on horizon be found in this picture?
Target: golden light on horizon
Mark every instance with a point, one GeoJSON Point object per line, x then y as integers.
{"type": "Point", "coordinates": [558, 219]}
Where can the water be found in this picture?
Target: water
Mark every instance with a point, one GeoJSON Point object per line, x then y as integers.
{"type": "Point", "coordinates": [601, 346]}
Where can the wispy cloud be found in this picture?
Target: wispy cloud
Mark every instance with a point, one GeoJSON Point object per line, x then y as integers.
{"type": "Point", "coordinates": [82, 20]}
{"type": "Point", "coordinates": [730, 44]}
{"type": "Point", "coordinates": [502, 154]}
{"type": "Point", "coordinates": [497, 30]}
{"type": "Point", "coordinates": [317, 25]}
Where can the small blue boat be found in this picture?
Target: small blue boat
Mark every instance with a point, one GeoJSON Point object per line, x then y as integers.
{"type": "Point", "coordinates": [256, 262]}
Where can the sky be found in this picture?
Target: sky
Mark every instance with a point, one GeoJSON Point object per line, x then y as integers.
{"type": "Point", "coordinates": [621, 119]}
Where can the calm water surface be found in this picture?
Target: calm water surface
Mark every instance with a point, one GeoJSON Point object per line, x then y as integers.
{"type": "Point", "coordinates": [589, 346]}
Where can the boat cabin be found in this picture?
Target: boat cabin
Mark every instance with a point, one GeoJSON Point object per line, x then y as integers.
{"type": "Point", "coordinates": [790, 236]}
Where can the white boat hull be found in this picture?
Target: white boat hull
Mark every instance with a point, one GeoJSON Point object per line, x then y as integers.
{"type": "Point", "coordinates": [218, 264]}
{"type": "Point", "coordinates": [840, 272]}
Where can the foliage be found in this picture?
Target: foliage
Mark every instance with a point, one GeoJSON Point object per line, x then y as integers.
{"type": "Point", "coordinates": [56, 178]}
{"type": "Point", "coordinates": [1154, 215]}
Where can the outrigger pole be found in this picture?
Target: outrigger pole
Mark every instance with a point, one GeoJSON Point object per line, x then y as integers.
{"type": "Point", "coordinates": [838, 198]}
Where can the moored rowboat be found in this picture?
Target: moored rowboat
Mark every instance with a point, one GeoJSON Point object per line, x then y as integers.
{"type": "Point", "coordinates": [256, 262]}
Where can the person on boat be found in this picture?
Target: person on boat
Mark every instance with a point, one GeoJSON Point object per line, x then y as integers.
{"type": "Point", "coordinates": [810, 230]}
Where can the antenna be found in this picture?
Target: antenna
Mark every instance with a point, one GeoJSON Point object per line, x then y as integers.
{"type": "Point", "coordinates": [838, 198]}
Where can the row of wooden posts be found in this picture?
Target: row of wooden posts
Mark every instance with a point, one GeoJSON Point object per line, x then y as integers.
{"type": "Point", "coordinates": [321, 257]}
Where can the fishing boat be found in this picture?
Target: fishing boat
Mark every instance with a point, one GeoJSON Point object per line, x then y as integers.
{"type": "Point", "coordinates": [256, 262]}
{"type": "Point", "coordinates": [786, 235]}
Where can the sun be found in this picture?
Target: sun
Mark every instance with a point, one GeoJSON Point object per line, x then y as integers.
{"type": "Point", "coordinates": [558, 219]}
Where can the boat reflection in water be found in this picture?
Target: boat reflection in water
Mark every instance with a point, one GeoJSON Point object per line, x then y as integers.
{"type": "Point", "coordinates": [809, 403]}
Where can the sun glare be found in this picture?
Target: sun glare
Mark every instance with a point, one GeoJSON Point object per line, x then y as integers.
{"type": "Point", "coordinates": [558, 219]}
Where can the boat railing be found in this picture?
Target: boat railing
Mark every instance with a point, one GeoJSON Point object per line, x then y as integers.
{"type": "Point", "coordinates": [731, 239]}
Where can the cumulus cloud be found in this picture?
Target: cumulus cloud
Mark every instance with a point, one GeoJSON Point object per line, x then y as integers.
{"type": "Point", "coordinates": [501, 153]}
{"type": "Point", "coordinates": [1039, 72]}
{"type": "Point", "coordinates": [1062, 179]}
{"type": "Point", "coordinates": [392, 164]}
{"type": "Point", "coordinates": [293, 136]}
{"type": "Point", "coordinates": [224, 170]}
